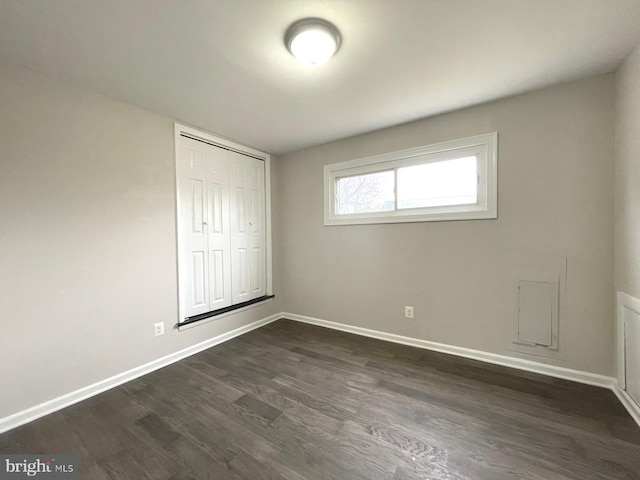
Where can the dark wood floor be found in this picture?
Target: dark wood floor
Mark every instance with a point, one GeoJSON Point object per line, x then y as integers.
{"type": "Point", "coordinates": [300, 402]}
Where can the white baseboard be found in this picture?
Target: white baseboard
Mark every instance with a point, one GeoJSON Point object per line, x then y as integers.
{"type": "Point", "coordinates": [33, 413]}
{"type": "Point", "coordinates": [68, 399]}
{"type": "Point", "coordinates": [504, 360]}
{"type": "Point", "coordinates": [494, 358]}
{"type": "Point", "coordinates": [627, 402]}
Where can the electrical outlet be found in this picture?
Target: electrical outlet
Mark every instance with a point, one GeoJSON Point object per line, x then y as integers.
{"type": "Point", "coordinates": [408, 312]}
{"type": "Point", "coordinates": [158, 329]}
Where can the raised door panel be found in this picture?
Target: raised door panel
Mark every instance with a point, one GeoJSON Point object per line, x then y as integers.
{"type": "Point", "coordinates": [218, 277]}
{"type": "Point", "coordinates": [241, 210]}
{"type": "Point", "coordinates": [197, 204]}
{"type": "Point", "coordinates": [242, 289]}
{"type": "Point", "coordinates": [256, 277]}
{"type": "Point", "coordinates": [216, 209]}
{"type": "Point", "coordinates": [199, 281]}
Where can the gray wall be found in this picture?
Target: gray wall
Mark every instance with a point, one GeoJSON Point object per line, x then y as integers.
{"type": "Point", "coordinates": [627, 176]}
{"type": "Point", "coordinates": [555, 203]}
{"type": "Point", "coordinates": [87, 240]}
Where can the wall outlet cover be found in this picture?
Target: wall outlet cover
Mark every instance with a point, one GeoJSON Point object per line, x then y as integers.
{"type": "Point", "coordinates": [158, 329]}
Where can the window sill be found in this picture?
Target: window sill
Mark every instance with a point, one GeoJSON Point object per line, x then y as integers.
{"type": "Point", "coordinates": [409, 217]}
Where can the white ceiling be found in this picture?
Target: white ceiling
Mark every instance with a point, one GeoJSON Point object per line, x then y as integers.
{"type": "Point", "coordinates": [222, 64]}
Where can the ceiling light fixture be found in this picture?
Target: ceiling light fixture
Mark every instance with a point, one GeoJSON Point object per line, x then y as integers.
{"type": "Point", "coordinates": [312, 41]}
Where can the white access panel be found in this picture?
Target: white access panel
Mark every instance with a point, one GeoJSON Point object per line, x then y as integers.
{"type": "Point", "coordinates": [536, 312]}
{"type": "Point", "coordinates": [632, 353]}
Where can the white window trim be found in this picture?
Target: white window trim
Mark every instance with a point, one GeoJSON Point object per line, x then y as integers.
{"type": "Point", "coordinates": [484, 147]}
{"type": "Point", "coordinates": [179, 129]}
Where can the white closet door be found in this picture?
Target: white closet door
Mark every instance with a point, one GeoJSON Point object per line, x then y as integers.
{"type": "Point", "coordinates": [248, 261]}
{"type": "Point", "coordinates": [194, 265]}
{"type": "Point", "coordinates": [219, 234]}
{"type": "Point", "coordinates": [221, 225]}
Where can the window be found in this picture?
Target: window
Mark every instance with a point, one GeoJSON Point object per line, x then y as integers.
{"type": "Point", "coordinates": [455, 180]}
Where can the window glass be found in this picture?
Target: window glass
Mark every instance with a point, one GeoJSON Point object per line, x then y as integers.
{"type": "Point", "coordinates": [436, 184]}
{"type": "Point", "coordinates": [368, 193]}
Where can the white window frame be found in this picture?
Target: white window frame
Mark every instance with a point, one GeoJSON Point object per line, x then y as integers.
{"type": "Point", "coordinates": [483, 147]}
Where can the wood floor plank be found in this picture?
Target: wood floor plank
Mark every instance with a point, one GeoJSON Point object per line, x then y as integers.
{"type": "Point", "coordinates": [248, 467]}
{"type": "Point", "coordinates": [195, 462]}
{"type": "Point", "coordinates": [123, 466]}
{"type": "Point", "coordinates": [298, 402]}
{"type": "Point", "coordinates": [250, 406]}
{"type": "Point", "coordinates": [238, 433]}
{"type": "Point", "coordinates": [322, 397]}
{"type": "Point", "coordinates": [158, 429]}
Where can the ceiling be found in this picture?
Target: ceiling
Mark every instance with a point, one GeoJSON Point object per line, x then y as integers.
{"type": "Point", "coordinates": [222, 65]}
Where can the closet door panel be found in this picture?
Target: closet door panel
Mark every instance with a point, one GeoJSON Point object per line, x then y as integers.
{"type": "Point", "coordinates": [240, 237]}
{"type": "Point", "coordinates": [257, 240]}
{"type": "Point", "coordinates": [218, 231]}
{"type": "Point", "coordinates": [194, 269]}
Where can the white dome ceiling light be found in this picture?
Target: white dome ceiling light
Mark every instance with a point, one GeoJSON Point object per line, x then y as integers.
{"type": "Point", "coordinates": [312, 41]}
